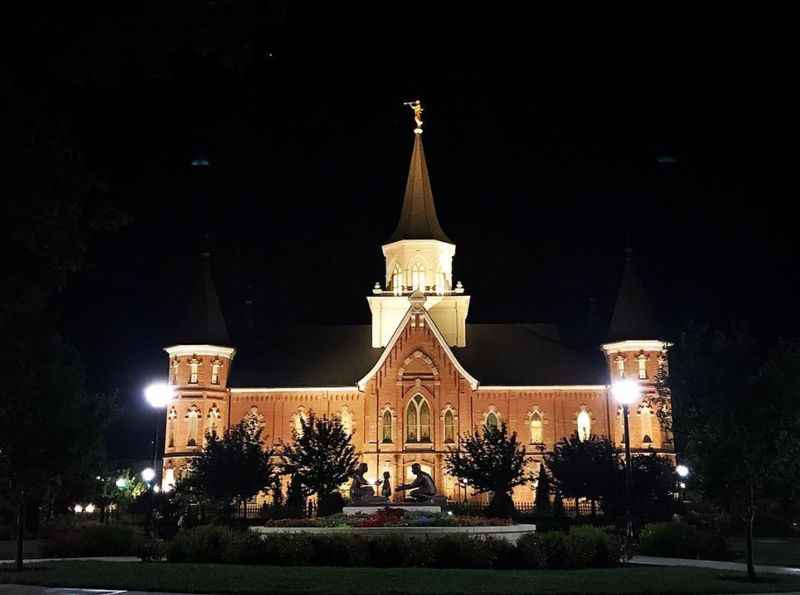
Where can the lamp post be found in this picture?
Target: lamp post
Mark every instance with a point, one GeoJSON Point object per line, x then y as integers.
{"type": "Point", "coordinates": [683, 473]}
{"type": "Point", "coordinates": [463, 483]}
{"type": "Point", "coordinates": [158, 395]}
{"type": "Point", "coordinates": [626, 392]}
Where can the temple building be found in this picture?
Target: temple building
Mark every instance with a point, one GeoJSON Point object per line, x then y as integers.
{"type": "Point", "coordinates": [420, 375]}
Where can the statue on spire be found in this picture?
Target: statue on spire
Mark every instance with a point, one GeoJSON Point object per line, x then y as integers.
{"type": "Point", "coordinates": [416, 106]}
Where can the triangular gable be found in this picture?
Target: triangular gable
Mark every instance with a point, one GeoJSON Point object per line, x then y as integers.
{"type": "Point", "coordinates": [417, 309]}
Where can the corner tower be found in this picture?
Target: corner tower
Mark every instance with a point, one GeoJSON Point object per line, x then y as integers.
{"type": "Point", "coordinates": [199, 366]}
{"type": "Point", "coordinates": [419, 257]}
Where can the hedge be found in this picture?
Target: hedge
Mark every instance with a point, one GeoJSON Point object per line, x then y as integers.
{"type": "Point", "coordinates": [582, 547]}
{"type": "Point", "coordinates": [681, 540]}
{"type": "Point", "coordinates": [93, 540]}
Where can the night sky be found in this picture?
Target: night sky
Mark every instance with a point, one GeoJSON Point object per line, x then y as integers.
{"type": "Point", "coordinates": [546, 161]}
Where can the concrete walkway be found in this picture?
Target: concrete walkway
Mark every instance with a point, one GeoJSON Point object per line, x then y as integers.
{"type": "Point", "coordinates": [30, 590]}
{"type": "Point", "coordinates": [89, 559]}
{"type": "Point", "coordinates": [737, 566]}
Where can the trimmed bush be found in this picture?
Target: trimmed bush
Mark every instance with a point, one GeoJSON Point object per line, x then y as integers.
{"type": "Point", "coordinates": [93, 540]}
{"type": "Point", "coordinates": [680, 540]}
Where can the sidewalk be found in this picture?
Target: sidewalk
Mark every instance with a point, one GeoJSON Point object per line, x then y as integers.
{"type": "Point", "coordinates": [737, 566]}
{"type": "Point", "coordinates": [90, 559]}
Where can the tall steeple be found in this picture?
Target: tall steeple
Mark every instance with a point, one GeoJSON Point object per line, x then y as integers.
{"type": "Point", "coordinates": [418, 220]}
{"type": "Point", "coordinates": [205, 323]}
{"type": "Point", "coordinates": [632, 318]}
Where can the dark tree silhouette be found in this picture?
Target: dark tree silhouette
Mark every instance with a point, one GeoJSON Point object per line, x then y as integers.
{"type": "Point", "coordinates": [542, 504]}
{"type": "Point", "coordinates": [491, 461]}
{"type": "Point", "coordinates": [323, 459]}
{"type": "Point", "coordinates": [733, 409]}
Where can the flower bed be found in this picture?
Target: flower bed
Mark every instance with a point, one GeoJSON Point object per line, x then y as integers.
{"type": "Point", "coordinates": [392, 517]}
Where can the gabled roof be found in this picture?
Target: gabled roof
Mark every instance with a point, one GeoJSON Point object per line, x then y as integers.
{"type": "Point", "coordinates": [418, 220]}
{"type": "Point", "coordinates": [204, 323]}
{"type": "Point", "coordinates": [496, 354]}
{"type": "Point", "coordinates": [633, 317]}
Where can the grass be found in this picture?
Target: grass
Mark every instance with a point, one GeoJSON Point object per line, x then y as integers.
{"type": "Point", "coordinates": [780, 551]}
{"type": "Point", "coordinates": [218, 578]}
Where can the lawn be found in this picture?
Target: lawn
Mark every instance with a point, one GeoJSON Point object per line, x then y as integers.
{"type": "Point", "coordinates": [217, 578]}
{"type": "Point", "coordinates": [783, 551]}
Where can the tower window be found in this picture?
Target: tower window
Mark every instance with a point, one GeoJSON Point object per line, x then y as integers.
{"type": "Point", "coordinates": [491, 421]}
{"type": "Point", "coordinates": [171, 417]}
{"type": "Point", "coordinates": [584, 425]}
{"type": "Point", "coordinates": [418, 277]}
{"type": "Point", "coordinates": [646, 423]}
{"type": "Point", "coordinates": [193, 420]}
{"type": "Point", "coordinates": [194, 367]}
{"type": "Point", "coordinates": [215, 366]}
{"type": "Point", "coordinates": [397, 280]}
{"type": "Point", "coordinates": [173, 366]}
{"type": "Point", "coordinates": [642, 359]}
{"type": "Point", "coordinates": [213, 420]}
{"type": "Point", "coordinates": [418, 420]}
{"type": "Point", "coordinates": [620, 359]}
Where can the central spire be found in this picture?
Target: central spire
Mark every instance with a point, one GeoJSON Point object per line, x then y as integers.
{"type": "Point", "coordinates": [418, 220]}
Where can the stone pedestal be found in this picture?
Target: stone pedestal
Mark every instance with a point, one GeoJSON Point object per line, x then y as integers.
{"type": "Point", "coordinates": [409, 506]}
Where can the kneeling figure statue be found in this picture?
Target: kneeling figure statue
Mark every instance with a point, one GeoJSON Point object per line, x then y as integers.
{"type": "Point", "coordinates": [423, 489]}
{"type": "Point", "coordinates": [360, 490]}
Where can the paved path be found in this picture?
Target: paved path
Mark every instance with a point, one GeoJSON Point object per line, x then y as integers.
{"type": "Point", "coordinates": [738, 566]}
{"type": "Point", "coordinates": [95, 559]}
{"type": "Point", "coordinates": [29, 590]}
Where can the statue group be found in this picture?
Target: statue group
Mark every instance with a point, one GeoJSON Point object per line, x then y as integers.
{"type": "Point", "coordinates": [422, 489]}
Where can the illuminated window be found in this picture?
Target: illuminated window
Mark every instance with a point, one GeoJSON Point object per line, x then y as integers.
{"type": "Point", "coordinates": [169, 479]}
{"type": "Point", "coordinates": [387, 427]}
{"type": "Point", "coordinates": [253, 421]}
{"type": "Point", "coordinates": [537, 434]}
{"type": "Point", "coordinates": [173, 368]}
{"type": "Point", "coordinates": [449, 426]}
{"type": "Point", "coordinates": [299, 418]}
{"type": "Point", "coordinates": [194, 366]}
{"type": "Point", "coordinates": [215, 366]}
{"type": "Point", "coordinates": [621, 422]}
{"type": "Point", "coordinates": [418, 277]}
{"type": "Point", "coordinates": [646, 424]}
{"type": "Point", "coordinates": [441, 283]}
{"type": "Point", "coordinates": [171, 417]}
{"type": "Point", "coordinates": [397, 280]}
{"type": "Point", "coordinates": [347, 420]}
{"type": "Point", "coordinates": [213, 420]}
{"type": "Point", "coordinates": [193, 420]}
{"type": "Point", "coordinates": [491, 421]}
{"type": "Point", "coordinates": [642, 366]}
{"type": "Point", "coordinates": [584, 425]}
{"type": "Point", "coordinates": [418, 420]}
{"type": "Point", "coordinates": [620, 359]}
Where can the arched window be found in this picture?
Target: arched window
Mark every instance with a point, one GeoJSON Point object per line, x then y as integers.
{"type": "Point", "coordinates": [491, 420]}
{"type": "Point", "coordinates": [537, 434]}
{"type": "Point", "coordinates": [213, 420]}
{"type": "Point", "coordinates": [418, 276]}
{"type": "Point", "coordinates": [620, 359]}
{"type": "Point", "coordinates": [449, 426]}
{"type": "Point", "coordinates": [347, 420]}
{"type": "Point", "coordinates": [215, 366]}
{"type": "Point", "coordinates": [441, 283]}
{"type": "Point", "coordinates": [584, 425]}
{"type": "Point", "coordinates": [397, 280]}
{"type": "Point", "coordinates": [253, 421]}
{"type": "Point", "coordinates": [646, 420]}
{"type": "Point", "coordinates": [194, 370]}
{"type": "Point", "coordinates": [171, 417]}
{"type": "Point", "coordinates": [297, 425]}
{"type": "Point", "coordinates": [418, 420]}
{"type": "Point", "coordinates": [193, 420]}
{"type": "Point", "coordinates": [642, 359]}
{"type": "Point", "coordinates": [387, 427]}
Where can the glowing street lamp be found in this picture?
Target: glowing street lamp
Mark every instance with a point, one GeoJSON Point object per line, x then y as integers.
{"type": "Point", "coordinates": [148, 474]}
{"type": "Point", "coordinates": [158, 395]}
{"type": "Point", "coordinates": [121, 483]}
{"type": "Point", "coordinates": [626, 392]}
{"type": "Point", "coordinates": [682, 471]}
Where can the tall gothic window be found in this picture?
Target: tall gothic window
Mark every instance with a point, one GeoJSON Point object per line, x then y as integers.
{"type": "Point", "coordinates": [418, 277]}
{"type": "Point", "coordinates": [449, 426]}
{"type": "Point", "coordinates": [620, 359]}
{"type": "Point", "coordinates": [297, 424]}
{"type": "Point", "coordinates": [491, 421]}
{"type": "Point", "coordinates": [193, 419]}
{"type": "Point", "coordinates": [253, 421]}
{"type": "Point", "coordinates": [642, 359]}
{"type": "Point", "coordinates": [646, 422]}
{"type": "Point", "coordinates": [441, 286]}
{"type": "Point", "coordinates": [418, 420]}
{"type": "Point", "coordinates": [194, 366]}
{"type": "Point", "coordinates": [584, 425]}
{"type": "Point", "coordinates": [537, 435]}
{"type": "Point", "coordinates": [397, 280]}
{"type": "Point", "coordinates": [347, 420]}
{"type": "Point", "coordinates": [387, 427]}
{"type": "Point", "coordinates": [171, 417]}
{"type": "Point", "coordinates": [174, 365]}
{"type": "Point", "coordinates": [215, 366]}
{"type": "Point", "coordinates": [213, 420]}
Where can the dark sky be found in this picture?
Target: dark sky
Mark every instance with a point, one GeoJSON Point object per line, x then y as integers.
{"type": "Point", "coordinates": [546, 159]}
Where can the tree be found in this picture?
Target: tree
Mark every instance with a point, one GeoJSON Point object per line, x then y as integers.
{"type": "Point", "coordinates": [50, 425]}
{"type": "Point", "coordinates": [492, 461]}
{"type": "Point", "coordinates": [584, 468]}
{"type": "Point", "coordinates": [233, 468]}
{"type": "Point", "coordinates": [296, 498]}
{"type": "Point", "coordinates": [323, 458]}
{"type": "Point", "coordinates": [732, 407]}
{"type": "Point", "coordinates": [542, 503]}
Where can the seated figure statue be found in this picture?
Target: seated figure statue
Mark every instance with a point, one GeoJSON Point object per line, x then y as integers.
{"type": "Point", "coordinates": [360, 490]}
{"type": "Point", "coordinates": [423, 489]}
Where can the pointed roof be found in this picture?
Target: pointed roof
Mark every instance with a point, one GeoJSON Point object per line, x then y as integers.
{"type": "Point", "coordinates": [418, 220]}
{"type": "Point", "coordinates": [633, 317]}
{"type": "Point", "coordinates": [204, 322]}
